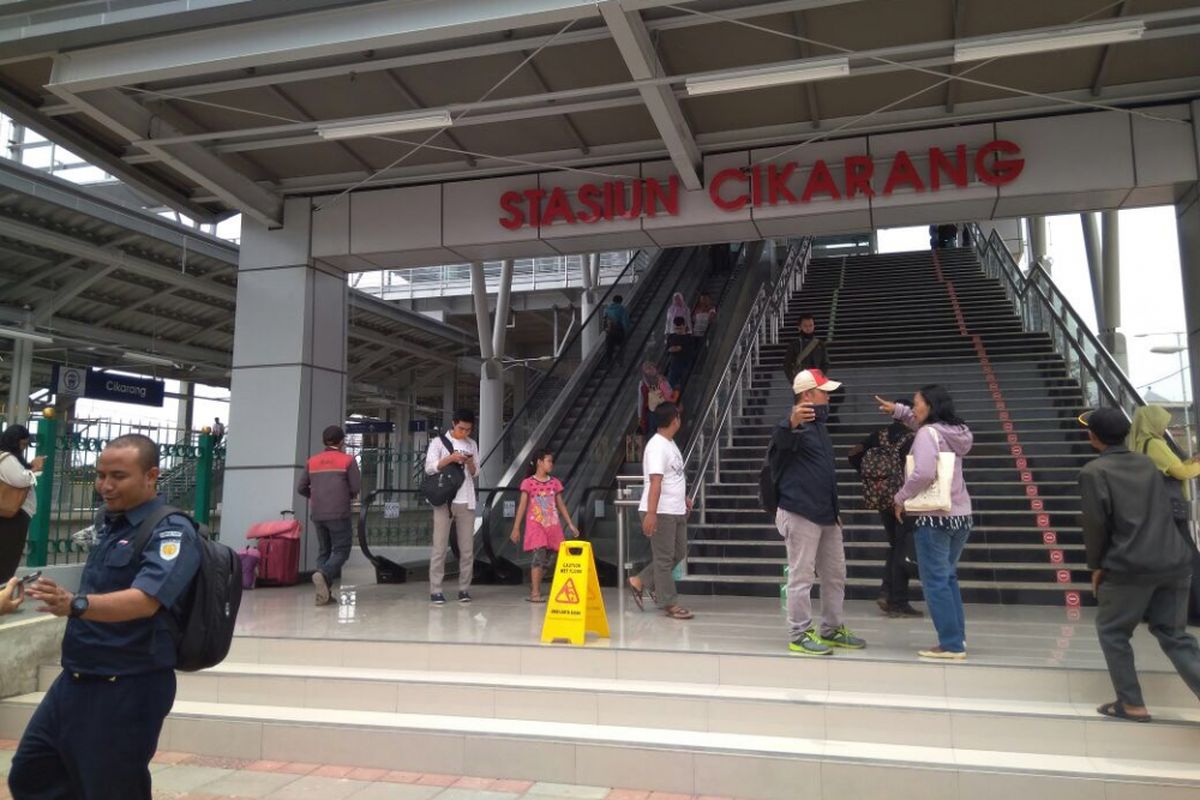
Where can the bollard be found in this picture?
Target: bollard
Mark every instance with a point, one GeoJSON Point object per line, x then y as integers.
{"type": "Point", "coordinates": [39, 527]}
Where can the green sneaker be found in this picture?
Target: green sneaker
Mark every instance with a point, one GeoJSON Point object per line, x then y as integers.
{"type": "Point", "coordinates": [809, 644]}
{"type": "Point", "coordinates": [842, 637]}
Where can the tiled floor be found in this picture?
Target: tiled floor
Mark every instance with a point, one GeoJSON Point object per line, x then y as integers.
{"type": "Point", "coordinates": [179, 776]}
{"type": "Point", "coordinates": [1033, 636]}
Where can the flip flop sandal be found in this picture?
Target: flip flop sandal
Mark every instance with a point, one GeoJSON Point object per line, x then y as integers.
{"type": "Point", "coordinates": [1117, 711]}
{"type": "Point", "coordinates": [637, 596]}
{"type": "Point", "coordinates": [678, 612]}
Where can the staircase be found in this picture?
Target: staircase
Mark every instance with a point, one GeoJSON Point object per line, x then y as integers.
{"type": "Point", "coordinates": [894, 323]}
{"type": "Point", "coordinates": [695, 723]}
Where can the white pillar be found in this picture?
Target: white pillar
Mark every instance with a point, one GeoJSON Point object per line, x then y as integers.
{"type": "Point", "coordinates": [491, 380]}
{"type": "Point", "coordinates": [289, 373]}
{"type": "Point", "coordinates": [1188, 222]}
{"type": "Point", "coordinates": [1038, 241]}
{"type": "Point", "coordinates": [20, 380]}
{"type": "Point", "coordinates": [1091, 246]}
{"type": "Point", "coordinates": [1110, 248]}
{"type": "Point", "coordinates": [590, 337]}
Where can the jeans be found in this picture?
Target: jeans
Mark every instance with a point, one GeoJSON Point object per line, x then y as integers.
{"type": "Point", "coordinates": [938, 551]}
{"type": "Point", "coordinates": [813, 550]}
{"type": "Point", "coordinates": [334, 540]}
{"type": "Point", "coordinates": [668, 547]}
{"type": "Point", "coordinates": [895, 572]}
{"type": "Point", "coordinates": [1122, 607]}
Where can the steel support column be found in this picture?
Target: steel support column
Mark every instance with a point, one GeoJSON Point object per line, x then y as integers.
{"type": "Point", "coordinates": [1113, 339]}
{"type": "Point", "coordinates": [1091, 244]}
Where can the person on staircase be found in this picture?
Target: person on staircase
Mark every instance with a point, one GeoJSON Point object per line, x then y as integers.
{"type": "Point", "coordinates": [1141, 567]}
{"type": "Point", "coordinates": [809, 352]}
{"type": "Point", "coordinates": [803, 468]}
{"type": "Point", "coordinates": [664, 508]}
{"type": "Point", "coordinates": [941, 535]}
{"type": "Point", "coordinates": [1149, 436]}
{"type": "Point", "coordinates": [879, 462]}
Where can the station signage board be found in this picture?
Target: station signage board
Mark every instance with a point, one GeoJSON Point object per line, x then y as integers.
{"type": "Point", "coordinates": [95, 384]}
{"type": "Point", "coordinates": [769, 184]}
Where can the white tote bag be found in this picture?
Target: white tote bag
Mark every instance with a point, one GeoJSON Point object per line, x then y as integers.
{"type": "Point", "coordinates": [936, 496]}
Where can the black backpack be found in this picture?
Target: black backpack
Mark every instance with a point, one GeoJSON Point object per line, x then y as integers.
{"type": "Point", "coordinates": [768, 487]}
{"type": "Point", "coordinates": [440, 488]}
{"type": "Point", "coordinates": [210, 606]}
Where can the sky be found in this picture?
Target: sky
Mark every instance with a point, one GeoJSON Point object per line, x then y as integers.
{"type": "Point", "coordinates": [1151, 290]}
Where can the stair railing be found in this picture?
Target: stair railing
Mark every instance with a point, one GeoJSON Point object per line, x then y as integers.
{"type": "Point", "coordinates": [713, 428]}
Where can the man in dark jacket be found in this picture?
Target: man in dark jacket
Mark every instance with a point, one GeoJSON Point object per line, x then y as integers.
{"type": "Point", "coordinates": [803, 468]}
{"type": "Point", "coordinates": [1141, 566]}
{"type": "Point", "coordinates": [330, 481]}
{"type": "Point", "coordinates": [805, 352]}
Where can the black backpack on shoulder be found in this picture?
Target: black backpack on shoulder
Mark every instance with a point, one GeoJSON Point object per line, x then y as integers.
{"type": "Point", "coordinates": [210, 607]}
{"type": "Point", "coordinates": [440, 488]}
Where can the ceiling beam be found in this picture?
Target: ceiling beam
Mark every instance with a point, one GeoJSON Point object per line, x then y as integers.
{"type": "Point", "coordinates": [633, 41]}
{"type": "Point", "coordinates": [1105, 55]}
{"type": "Point", "coordinates": [415, 103]}
{"type": "Point", "coordinates": [71, 246]}
{"type": "Point", "coordinates": [133, 122]}
{"type": "Point", "coordinates": [88, 148]}
{"type": "Point", "coordinates": [305, 114]}
{"type": "Point", "coordinates": [584, 147]}
{"type": "Point", "coordinates": [810, 88]}
{"type": "Point", "coordinates": [73, 288]}
{"type": "Point", "coordinates": [957, 25]}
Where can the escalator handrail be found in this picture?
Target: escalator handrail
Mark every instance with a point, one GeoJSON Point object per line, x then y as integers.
{"type": "Point", "coordinates": [567, 349]}
{"type": "Point", "coordinates": [763, 307]}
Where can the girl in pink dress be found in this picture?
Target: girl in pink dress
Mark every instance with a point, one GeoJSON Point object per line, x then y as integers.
{"type": "Point", "coordinates": [542, 508]}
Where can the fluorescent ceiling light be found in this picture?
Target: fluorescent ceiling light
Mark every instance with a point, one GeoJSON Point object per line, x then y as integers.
{"type": "Point", "coordinates": [29, 336]}
{"type": "Point", "coordinates": [146, 358]}
{"type": "Point", "coordinates": [1020, 44]}
{"type": "Point", "coordinates": [381, 126]}
{"type": "Point", "coordinates": [742, 80]}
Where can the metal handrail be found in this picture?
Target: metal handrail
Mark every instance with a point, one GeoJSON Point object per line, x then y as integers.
{"type": "Point", "coordinates": [1036, 293]}
{"type": "Point", "coordinates": [763, 324]}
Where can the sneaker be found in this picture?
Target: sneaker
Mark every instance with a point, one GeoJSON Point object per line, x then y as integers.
{"type": "Point", "coordinates": [437, 599]}
{"type": "Point", "coordinates": [809, 644]}
{"type": "Point", "coordinates": [464, 597]}
{"type": "Point", "coordinates": [322, 586]}
{"type": "Point", "coordinates": [842, 637]}
{"type": "Point", "coordinates": [943, 655]}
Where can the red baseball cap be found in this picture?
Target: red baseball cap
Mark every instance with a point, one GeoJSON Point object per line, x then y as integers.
{"type": "Point", "coordinates": [813, 379]}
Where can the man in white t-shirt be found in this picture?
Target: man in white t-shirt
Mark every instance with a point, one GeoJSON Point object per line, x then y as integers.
{"type": "Point", "coordinates": [664, 508]}
{"type": "Point", "coordinates": [461, 509]}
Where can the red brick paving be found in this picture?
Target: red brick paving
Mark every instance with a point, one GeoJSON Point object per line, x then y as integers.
{"type": "Point", "coordinates": [434, 779]}
{"type": "Point", "coordinates": [515, 787]}
{"type": "Point", "coordinates": [397, 776]}
{"type": "Point", "coordinates": [369, 774]}
{"type": "Point", "coordinates": [297, 768]}
{"type": "Point", "coordinates": [332, 771]}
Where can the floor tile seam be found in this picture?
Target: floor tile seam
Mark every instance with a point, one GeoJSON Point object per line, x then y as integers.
{"type": "Point", "coordinates": [747, 745]}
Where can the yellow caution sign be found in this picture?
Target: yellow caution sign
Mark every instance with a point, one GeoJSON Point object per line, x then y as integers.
{"type": "Point", "coordinates": [576, 606]}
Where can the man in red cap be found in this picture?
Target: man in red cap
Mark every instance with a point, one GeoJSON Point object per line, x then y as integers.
{"type": "Point", "coordinates": [804, 471]}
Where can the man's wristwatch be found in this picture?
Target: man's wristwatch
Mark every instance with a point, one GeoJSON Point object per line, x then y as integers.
{"type": "Point", "coordinates": [79, 605]}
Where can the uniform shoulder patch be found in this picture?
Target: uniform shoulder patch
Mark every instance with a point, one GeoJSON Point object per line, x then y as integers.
{"type": "Point", "coordinates": [168, 549]}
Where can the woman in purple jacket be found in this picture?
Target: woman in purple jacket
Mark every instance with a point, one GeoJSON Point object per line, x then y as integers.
{"type": "Point", "coordinates": [940, 535]}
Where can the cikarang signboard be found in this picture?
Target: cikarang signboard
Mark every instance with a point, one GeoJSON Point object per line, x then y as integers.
{"type": "Point", "coordinates": [996, 163]}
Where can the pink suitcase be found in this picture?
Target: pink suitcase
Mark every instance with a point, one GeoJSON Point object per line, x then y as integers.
{"type": "Point", "coordinates": [279, 548]}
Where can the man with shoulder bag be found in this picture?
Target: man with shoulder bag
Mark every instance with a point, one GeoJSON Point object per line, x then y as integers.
{"type": "Point", "coordinates": [450, 466]}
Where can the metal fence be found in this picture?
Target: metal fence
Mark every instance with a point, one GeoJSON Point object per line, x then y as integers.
{"type": "Point", "coordinates": [190, 471]}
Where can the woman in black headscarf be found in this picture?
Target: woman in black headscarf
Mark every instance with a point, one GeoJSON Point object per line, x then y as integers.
{"type": "Point", "coordinates": [21, 475]}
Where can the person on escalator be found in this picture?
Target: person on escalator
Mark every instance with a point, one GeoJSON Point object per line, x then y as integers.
{"type": "Point", "coordinates": [679, 355]}
{"type": "Point", "coordinates": [542, 509]}
{"type": "Point", "coordinates": [616, 328]}
{"type": "Point", "coordinates": [678, 308]}
{"type": "Point", "coordinates": [703, 316]}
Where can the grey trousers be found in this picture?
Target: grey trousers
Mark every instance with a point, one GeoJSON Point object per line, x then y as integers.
{"type": "Point", "coordinates": [335, 538]}
{"type": "Point", "coordinates": [813, 550]}
{"type": "Point", "coordinates": [1122, 607]}
{"type": "Point", "coordinates": [464, 525]}
{"type": "Point", "coordinates": [668, 547]}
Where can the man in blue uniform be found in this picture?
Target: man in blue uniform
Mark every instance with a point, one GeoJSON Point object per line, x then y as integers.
{"type": "Point", "coordinates": [95, 732]}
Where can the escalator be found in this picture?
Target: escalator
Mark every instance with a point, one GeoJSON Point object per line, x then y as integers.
{"type": "Point", "coordinates": [596, 408]}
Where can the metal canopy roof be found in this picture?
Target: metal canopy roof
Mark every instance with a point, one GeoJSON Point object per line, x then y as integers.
{"type": "Point", "coordinates": [105, 280]}
{"type": "Point", "coordinates": [213, 116]}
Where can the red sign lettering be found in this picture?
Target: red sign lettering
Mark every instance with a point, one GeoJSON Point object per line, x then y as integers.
{"type": "Point", "coordinates": [996, 163]}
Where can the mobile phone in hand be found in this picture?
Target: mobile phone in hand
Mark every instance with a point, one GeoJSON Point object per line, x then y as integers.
{"type": "Point", "coordinates": [19, 589]}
